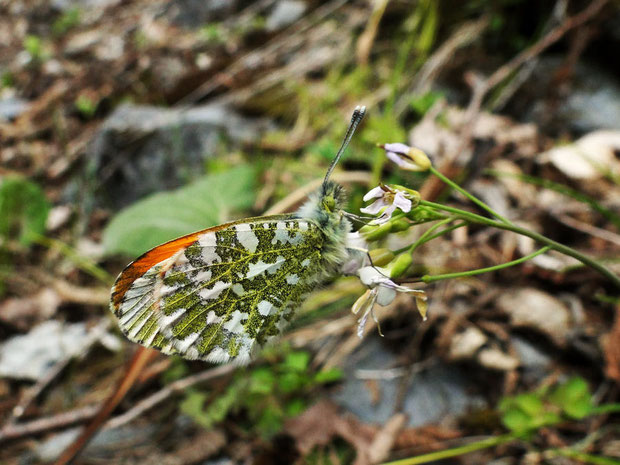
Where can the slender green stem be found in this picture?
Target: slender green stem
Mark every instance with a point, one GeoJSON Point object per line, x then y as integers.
{"type": "Point", "coordinates": [605, 409]}
{"type": "Point", "coordinates": [442, 232]}
{"type": "Point", "coordinates": [427, 233]}
{"type": "Point", "coordinates": [456, 451]}
{"type": "Point", "coordinates": [474, 199]}
{"type": "Point", "coordinates": [473, 218]}
{"type": "Point", "coordinates": [462, 274]}
{"type": "Point", "coordinates": [581, 456]}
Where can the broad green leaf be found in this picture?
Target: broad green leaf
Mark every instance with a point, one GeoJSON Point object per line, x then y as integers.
{"type": "Point", "coordinates": [167, 215]}
{"type": "Point", "coordinates": [23, 210]}
{"type": "Point", "coordinates": [517, 420]}
{"type": "Point", "coordinates": [573, 397]}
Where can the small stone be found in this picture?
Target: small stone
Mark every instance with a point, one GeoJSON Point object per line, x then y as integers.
{"type": "Point", "coordinates": [467, 343]}
{"type": "Point", "coordinates": [538, 310]}
{"type": "Point", "coordinates": [495, 359]}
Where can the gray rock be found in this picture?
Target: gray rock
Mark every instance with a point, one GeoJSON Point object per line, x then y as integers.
{"type": "Point", "coordinates": [196, 13]}
{"type": "Point", "coordinates": [144, 149]}
{"type": "Point", "coordinates": [591, 102]}
{"type": "Point", "coordinates": [103, 445]}
{"type": "Point", "coordinates": [285, 13]}
{"type": "Point", "coordinates": [12, 107]}
{"type": "Point", "coordinates": [530, 356]}
{"type": "Point", "coordinates": [64, 5]}
{"type": "Point", "coordinates": [435, 392]}
{"type": "Point", "coordinates": [29, 356]}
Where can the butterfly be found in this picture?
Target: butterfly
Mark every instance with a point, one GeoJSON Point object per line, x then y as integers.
{"type": "Point", "coordinates": [222, 293]}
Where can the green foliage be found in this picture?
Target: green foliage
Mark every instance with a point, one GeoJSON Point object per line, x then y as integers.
{"type": "Point", "coordinates": [213, 33]}
{"type": "Point", "coordinates": [422, 103]}
{"type": "Point", "coordinates": [86, 106]}
{"type": "Point", "coordinates": [267, 395]}
{"type": "Point", "coordinates": [526, 413]}
{"type": "Point", "coordinates": [23, 210]}
{"type": "Point", "coordinates": [34, 46]}
{"type": "Point", "coordinates": [68, 20]}
{"type": "Point", "coordinates": [7, 80]}
{"type": "Point", "coordinates": [573, 397]}
{"type": "Point", "coordinates": [164, 216]}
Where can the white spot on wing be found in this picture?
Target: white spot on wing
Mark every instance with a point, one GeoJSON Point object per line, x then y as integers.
{"type": "Point", "coordinates": [184, 345]}
{"type": "Point", "coordinates": [246, 237]}
{"type": "Point", "coordinates": [208, 242]}
{"type": "Point", "coordinates": [203, 276]}
{"type": "Point", "coordinates": [217, 355]}
{"type": "Point", "coordinates": [213, 318]}
{"type": "Point", "coordinates": [214, 292]}
{"type": "Point", "coordinates": [305, 263]}
{"type": "Point", "coordinates": [235, 325]}
{"type": "Point", "coordinates": [168, 320]}
{"type": "Point", "coordinates": [292, 279]}
{"type": "Point", "coordinates": [265, 308]}
{"type": "Point", "coordinates": [238, 289]}
{"type": "Point", "coordinates": [261, 267]}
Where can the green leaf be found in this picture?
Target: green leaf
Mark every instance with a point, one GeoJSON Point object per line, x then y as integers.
{"type": "Point", "coordinates": [23, 210]}
{"type": "Point", "coordinates": [573, 397]}
{"type": "Point", "coordinates": [328, 376]}
{"type": "Point", "coordinates": [167, 215]}
{"type": "Point", "coordinates": [295, 407]}
{"type": "Point", "coordinates": [262, 381]}
{"type": "Point", "coordinates": [516, 420]}
{"type": "Point", "coordinates": [270, 421]}
{"type": "Point", "coordinates": [296, 361]}
{"type": "Point", "coordinates": [192, 406]}
{"type": "Point", "coordinates": [291, 382]}
{"type": "Point", "coordinates": [530, 404]}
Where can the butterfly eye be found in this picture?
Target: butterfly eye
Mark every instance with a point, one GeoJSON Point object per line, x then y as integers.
{"type": "Point", "coordinates": [329, 203]}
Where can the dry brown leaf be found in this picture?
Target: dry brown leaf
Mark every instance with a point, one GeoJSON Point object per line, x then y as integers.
{"type": "Point", "coordinates": [318, 425]}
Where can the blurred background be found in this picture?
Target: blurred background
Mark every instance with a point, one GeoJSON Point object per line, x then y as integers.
{"type": "Point", "coordinates": [126, 124]}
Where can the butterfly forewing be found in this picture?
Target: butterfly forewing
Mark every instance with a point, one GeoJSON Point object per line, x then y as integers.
{"type": "Point", "coordinates": [219, 294]}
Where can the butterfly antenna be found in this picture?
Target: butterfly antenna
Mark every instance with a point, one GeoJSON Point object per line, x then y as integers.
{"type": "Point", "coordinates": [358, 115]}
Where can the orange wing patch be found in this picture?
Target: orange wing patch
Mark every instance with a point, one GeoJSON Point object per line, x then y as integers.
{"type": "Point", "coordinates": [141, 265]}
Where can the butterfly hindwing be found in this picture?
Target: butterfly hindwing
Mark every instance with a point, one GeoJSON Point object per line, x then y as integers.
{"type": "Point", "coordinates": [222, 292]}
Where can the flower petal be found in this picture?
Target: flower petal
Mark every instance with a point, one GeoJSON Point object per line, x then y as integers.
{"type": "Point", "coordinates": [374, 207]}
{"type": "Point", "coordinates": [402, 202]}
{"type": "Point", "coordinates": [375, 193]}
{"type": "Point", "coordinates": [397, 147]}
{"type": "Point", "coordinates": [385, 295]}
{"type": "Point", "coordinates": [372, 275]}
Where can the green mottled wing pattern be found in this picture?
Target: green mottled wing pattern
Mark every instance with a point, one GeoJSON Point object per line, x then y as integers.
{"type": "Point", "coordinates": [226, 293]}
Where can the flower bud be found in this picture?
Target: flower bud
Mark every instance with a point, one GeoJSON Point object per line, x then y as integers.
{"type": "Point", "coordinates": [372, 232]}
{"type": "Point", "coordinates": [381, 256]}
{"type": "Point", "coordinates": [399, 225]}
{"type": "Point", "coordinates": [400, 265]}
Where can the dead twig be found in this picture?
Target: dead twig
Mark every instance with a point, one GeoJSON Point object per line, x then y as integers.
{"type": "Point", "coordinates": [140, 359]}
{"type": "Point", "coordinates": [41, 425]}
{"type": "Point", "coordinates": [173, 388]}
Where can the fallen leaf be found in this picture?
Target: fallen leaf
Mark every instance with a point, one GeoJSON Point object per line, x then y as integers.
{"type": "Point", "coordinates": [318, 425]}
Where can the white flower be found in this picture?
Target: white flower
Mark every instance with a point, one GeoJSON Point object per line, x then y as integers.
{"type": "Point", "coordinates": [382, 290]}
{"type": "Point", "coordinates": [388, 200]}
{"type": "Point", "coordinates": [408, 158]}
{"type": "Point", "coordinates": [357, 253]}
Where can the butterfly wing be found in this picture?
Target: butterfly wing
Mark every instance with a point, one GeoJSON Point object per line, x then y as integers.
{"type": "Point", "coordinates": [219, 294]}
